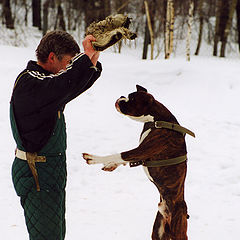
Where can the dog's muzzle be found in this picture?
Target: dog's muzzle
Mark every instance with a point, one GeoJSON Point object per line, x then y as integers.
{"type": "Point", "coordinates": [118, 103]}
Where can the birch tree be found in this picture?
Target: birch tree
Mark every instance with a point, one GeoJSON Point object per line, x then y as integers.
{"type": "Point", "coordinates": [149, 28]}
{"type": "Point", "coordinates": [172, 19]}
{"type": "Point", "coordinates": [169, 29]}
{"type": "Point", "coordinates": [190, 20]}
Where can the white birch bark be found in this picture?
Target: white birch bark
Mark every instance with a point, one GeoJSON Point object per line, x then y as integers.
{"type": "Point", "coordinates": [171, 27]}
{"type": "Point", "coordinates": [167, 30]}
{"type": "Point", "coordinates": [190, 20]}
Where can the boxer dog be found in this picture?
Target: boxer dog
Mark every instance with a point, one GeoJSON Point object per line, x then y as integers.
{"type": "Point", "coordinates": [162, 152]}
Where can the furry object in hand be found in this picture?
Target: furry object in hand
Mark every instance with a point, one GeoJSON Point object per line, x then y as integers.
{"type": "Point", "coordinates": [110, 30]}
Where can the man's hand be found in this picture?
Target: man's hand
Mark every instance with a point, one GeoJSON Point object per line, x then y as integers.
{"type": "Point", "coordinates": [95, 58]}
{"type": "Point", "coordinates": [89, 50]}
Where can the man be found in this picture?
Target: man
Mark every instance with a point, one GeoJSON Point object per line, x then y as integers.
{"type": "Point", "coordinates": [39, 96]}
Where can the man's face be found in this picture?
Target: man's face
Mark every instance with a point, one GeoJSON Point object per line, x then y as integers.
{"type": "Point", "coordinates": [58, 65]}
{"type": "Point", "coordinates": [54, 65]}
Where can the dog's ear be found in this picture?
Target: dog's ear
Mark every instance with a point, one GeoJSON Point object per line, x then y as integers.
{"type": "Point", "coordinates": [141, 89]}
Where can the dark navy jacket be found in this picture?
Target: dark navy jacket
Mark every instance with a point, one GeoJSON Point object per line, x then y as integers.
{"type": "Point", "coordinates": [38, 95]}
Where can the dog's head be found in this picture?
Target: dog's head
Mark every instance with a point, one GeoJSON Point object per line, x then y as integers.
{"type": "Point", "coordinates": [141, 106]}
{"type": "Point", "coordinates": [137, 105]}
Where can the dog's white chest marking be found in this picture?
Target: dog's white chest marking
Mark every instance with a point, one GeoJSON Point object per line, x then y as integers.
{"type": "Point", "coordinates": [147, 173]}
{"type": "Point", "coordinates": [142, 118]}
{"type": "Point", "coordinates": [144, 135]}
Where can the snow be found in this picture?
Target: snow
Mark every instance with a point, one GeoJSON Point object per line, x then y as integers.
{"type": "Point", "coordinates": [203, 94]}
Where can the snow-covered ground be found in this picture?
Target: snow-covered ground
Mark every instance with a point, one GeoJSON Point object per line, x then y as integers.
{"type": "Point", "coordinates": [204, 96]}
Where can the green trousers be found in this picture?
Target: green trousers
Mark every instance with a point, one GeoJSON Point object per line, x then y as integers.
{"type": "Point", "coordinates": [44, 210]}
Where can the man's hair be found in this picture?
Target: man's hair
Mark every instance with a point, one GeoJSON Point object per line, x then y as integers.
{"type": "Point", "coordinates": [59, 42]}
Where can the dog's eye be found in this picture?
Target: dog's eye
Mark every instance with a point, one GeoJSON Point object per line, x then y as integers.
{"type": "Point", "coordinates": [131, 98]}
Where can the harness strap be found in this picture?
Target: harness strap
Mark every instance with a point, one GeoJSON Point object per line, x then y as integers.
{"type": "Point", "coordinates": [171, 126]}
{"type": "Point", "coordinates": [166, 162]}
{"type": "Point", "coordinates": [31, 159]}
{"type": "Point", "coordinates": [160, 162]}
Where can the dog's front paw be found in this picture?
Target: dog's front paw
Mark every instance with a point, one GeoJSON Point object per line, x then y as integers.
{"type": "Point", "coordinates": [110, 167]}
{"type": "Point", "coordinates": [90, 159]}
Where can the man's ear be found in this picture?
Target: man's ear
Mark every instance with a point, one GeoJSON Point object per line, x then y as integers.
{"type": "Point", "coordinates": [51, 57]}
{"type": "Point", "coordinates": [141, 89]}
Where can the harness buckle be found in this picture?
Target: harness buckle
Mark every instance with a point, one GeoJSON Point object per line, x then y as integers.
{"type": "Point", "coordinates": [157, 124]}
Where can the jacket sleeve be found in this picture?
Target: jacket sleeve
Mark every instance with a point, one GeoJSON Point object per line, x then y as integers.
{"type": "Point", "coordinates": [55, 90]}
{"type": "Point", "coordinates": [95, 76]}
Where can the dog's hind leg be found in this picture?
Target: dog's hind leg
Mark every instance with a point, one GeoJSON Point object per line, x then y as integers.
{"type": "Point", "coordinates": [161, 227]}
{"type": "Point", "coordinates": [179, 221]}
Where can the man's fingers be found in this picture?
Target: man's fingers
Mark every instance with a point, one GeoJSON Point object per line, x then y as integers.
{"type": "Point", "coordinates": [90, 38]}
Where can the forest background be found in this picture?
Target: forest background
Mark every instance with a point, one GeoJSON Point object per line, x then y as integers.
{"type": "Point", "coordinates": [214, 22]}
{"type": "Point", "coordinates": [202, 94]}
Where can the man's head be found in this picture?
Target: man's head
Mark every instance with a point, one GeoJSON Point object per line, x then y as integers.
{"type": "Point", "coordinates": [55, 50]}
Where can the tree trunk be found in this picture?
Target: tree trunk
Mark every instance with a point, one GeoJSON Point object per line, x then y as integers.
{"type": "Point", "coordinates": [26, 12]}
{"type": "Point", "coordinates": [45, 16]}
{"type": "Point", "coordinates": [36, 13]}
{"type": "Point", "coordinates": [199, 35]}
{"type": "Point", "coordinates": [169, 29]}
{"type": "Point", "coordinates": [217, 26]}
{"type": "Point", "coordinates": [7, 14]}
{"type": "Point", "coordinates": [172, 19]}
{"type": "Point", "coordinates": [107, 7]}
{"type": "Point", "coordinates": [164, 22]}
{"type": "Point", "coordinates": [60, 22]}
{"type": "Point", "coordinates": [228, 27]}
{"type": "Point", "coordinates": [147, 34]}
{"type": "Point", "coordinates": [221, 24]}
{"type": "Point", "coordinates": [190, 20]}
{"type": "Point", "coordinates": [120, 46]}
{"type": "Point", "coordinates": [121, 5]}
{"type": "Point", "coordinates": [149, 28]}
{"type": "Point", "coordinates": [146, 41]}
{"type": "Point", "coordinates": [238, 22]}
{"type": "Point", "coordinates": [201, 20]}
{"type": "Point", "coordinates": [95, 11]}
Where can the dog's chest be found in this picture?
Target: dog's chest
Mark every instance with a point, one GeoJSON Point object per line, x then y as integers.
{"type": "Point", "coordinates": [143, 136]}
